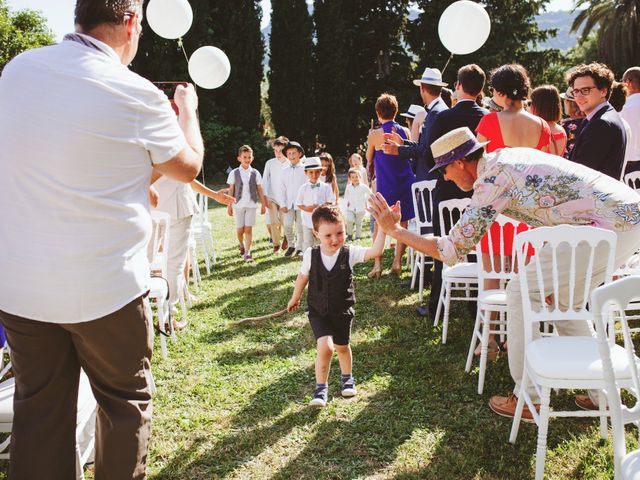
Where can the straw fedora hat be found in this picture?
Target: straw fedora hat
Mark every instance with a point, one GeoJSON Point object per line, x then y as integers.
{"type": "Point", "coordinates": [432, 76]}
{"type": "Point", "coordinates": [312, 163]}
{"type": "Point", "coordinates": [453, 146]}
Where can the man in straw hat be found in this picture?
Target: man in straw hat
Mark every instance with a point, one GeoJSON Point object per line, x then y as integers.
{"type": "Point", "coordinates": [430, 88]}
{"type": "Point", "coordinates": [528, 185]}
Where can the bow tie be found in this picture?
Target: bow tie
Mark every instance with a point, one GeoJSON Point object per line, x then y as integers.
{"type": "Point", "coordinates": [315, 185]}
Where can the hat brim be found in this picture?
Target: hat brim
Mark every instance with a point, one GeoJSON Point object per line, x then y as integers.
{"type": "Point", "coordinates": [476, 146]}
{"type": "Point", "coordinates": [419, 82]}
{"type": "Point", "coordinates": [308, 169]}
{"type": "Point", "coordinates": [408, 115]}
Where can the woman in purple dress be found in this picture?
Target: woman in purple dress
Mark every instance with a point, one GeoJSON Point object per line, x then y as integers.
{"type": "Point", "coordinates": [394, 176]}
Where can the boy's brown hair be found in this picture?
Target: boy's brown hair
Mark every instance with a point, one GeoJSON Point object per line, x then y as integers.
{"type": "Point", "coordinates": [280, 141]}
{"type": "Point", "coordinates": [601, 74]}
{"type": "Point", "coordinates": [387, 106]}
{"type": "Point", "coordinates": [355, 171]}
{"type": "Point", "coordinates": [245, 148]}
{"type": "Point", "coordinates": [328, 214]}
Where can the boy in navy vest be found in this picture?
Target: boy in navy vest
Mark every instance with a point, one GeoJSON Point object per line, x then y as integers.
{"type": "Point", "coordinates": [245, 185]}
{"type": "Point", "coordinates": [328, 269]}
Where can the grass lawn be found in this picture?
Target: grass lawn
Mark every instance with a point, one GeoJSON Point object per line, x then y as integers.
{"type": "Point", "coordinates": [232, 400]}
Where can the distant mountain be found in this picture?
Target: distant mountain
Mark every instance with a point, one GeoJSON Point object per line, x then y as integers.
{"type": "Point", "coordinates": [562, 21]}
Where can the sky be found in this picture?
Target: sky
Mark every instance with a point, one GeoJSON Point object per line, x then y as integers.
{"type": "Point", "coordinates": [59, 13]}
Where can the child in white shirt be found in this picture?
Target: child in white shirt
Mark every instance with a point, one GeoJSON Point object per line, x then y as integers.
{"type": "Point", "coordinates": [245, 185]}
{"type": "Point", "coordinates": [293, 177]}
{"type": "Point", "coordinates": [272, 183]}
{"type": "Point", "coordinates": [310, 196]}
{"type": "Point", "coordinates": [355, 161]}
{"type": "Point", "coordinates": [328, 269]}
{"type": "Point", "coordinates": [355, 196]}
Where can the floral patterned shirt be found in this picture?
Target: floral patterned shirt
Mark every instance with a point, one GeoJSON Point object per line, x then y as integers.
{"type": "Point", "coordinates": [541, 190]}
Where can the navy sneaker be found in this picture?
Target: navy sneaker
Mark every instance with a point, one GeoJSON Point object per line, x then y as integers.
{"type": "Point", "coordinates": [320, 395]}
{"type": "Point", "coordinates": [289, 251]}
{"type": "Point", "coordinates": [349, 387]}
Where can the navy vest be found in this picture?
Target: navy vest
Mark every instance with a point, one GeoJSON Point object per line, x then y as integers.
{"type": "Point", "coordinates": [330, 291]}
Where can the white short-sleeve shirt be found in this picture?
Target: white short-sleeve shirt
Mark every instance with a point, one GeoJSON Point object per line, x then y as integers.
{"type": "Point", "coordinates": [79, 134]}
{"type": "Point", "coordinates": [356, 197]}
{"type": "Point", "coordinates": [245, 175]}
{"type": "Point", "coordinates": [313, 194]}
{"type": "Point", "coordinates": [356, 255]}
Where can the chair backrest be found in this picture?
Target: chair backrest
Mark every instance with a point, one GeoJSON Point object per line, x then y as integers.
{"type": "Point", "coordinates": [633, 180]}
{"type": "Point", "coordinates": [203, 209]}
{"type": "Point", "coordinates": [422, 193]}
{"type": "Point", "coordinates": [556, 282]}
{"type": "Point", "coordinates": [160, 242]}
{"type": "Point", "coordinates": [621, 294]}
{"type": "Point", "coordinates": [450, 211]}
{"type": "Point", "coordinates": [500, 265]}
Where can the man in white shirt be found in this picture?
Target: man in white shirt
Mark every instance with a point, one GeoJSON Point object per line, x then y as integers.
{"type": "Point", "coordinates": [272, 184]}
{"type": "Point", "coordinates": [81, 135]}
{"type": "Point", "coordinates": [631, 113]}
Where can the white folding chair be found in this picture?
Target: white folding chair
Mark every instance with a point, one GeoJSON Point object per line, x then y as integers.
{"type": "Point", "coordinates": [633, 180]}
{"type": "Point", "coordinates": [85, 421]}
{"type": "Point", "coordinates": [568, 263]}
{"type": "Point", "coordinates": [497, 267]}
{"type": "Point", "coordinates": [158, 285]}
{"type": "Point", "coordinates": [422, 193]}
{"type": "Point", "coordinates": [463, 276]}
{"type": "Point", "coordinates": [620, 367]}
{"type": "Point", "coordinates": [203, 232]}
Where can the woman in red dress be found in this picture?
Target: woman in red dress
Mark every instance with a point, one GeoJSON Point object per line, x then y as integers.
{"type": "Point", "coordinates": [511, 127]}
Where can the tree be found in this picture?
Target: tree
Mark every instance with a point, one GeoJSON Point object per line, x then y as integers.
{"type": "Point", "coordinates": [359, 55]}
{"type": "Point", "coordinates": [229, 115]}
{"type": "Point", "coordinates": [20, 31]}
{"type": "Point", "coordinates": [618, 24]}
{"type": "Point", "coordinates": [513, 39]}
{"type": "Point", "coordinates": [291, 71]}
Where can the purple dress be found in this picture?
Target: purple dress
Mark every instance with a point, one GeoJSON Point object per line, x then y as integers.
{"type": "Point", "coordinates": [394, 176]}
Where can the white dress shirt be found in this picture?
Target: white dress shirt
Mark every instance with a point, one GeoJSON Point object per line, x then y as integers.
{"type": "Point", "coordinates": [356, 197]}
{"type": "Point", "coordinates": [631, 113]}
{"type": "Point", "coordinates": [245, 175]}
{"type": "Point", "coordinates": [293, 177]}
{"type": "Point", "coordinates": [272, 179]}
{"type": "Point", "coordinates": [313, 194]}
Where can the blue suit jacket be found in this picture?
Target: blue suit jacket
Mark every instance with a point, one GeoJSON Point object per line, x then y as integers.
{"type": "Point", "coordinates": [462, 114]}
{"type": "Point", "coordinates": [601, 143]}
{"type": "Point", "coordinates": [421, 152]}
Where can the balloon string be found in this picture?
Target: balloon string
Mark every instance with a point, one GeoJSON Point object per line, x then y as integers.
{"type": "Point", "coordinates": [181, 45]}
{"type": "Point", "coordinates": [447, 64]}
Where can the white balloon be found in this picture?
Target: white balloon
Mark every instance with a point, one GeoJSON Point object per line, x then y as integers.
{"type": "Point", "coordinates": [209, 67]}
{"type": "Point", "coordinates": [170, 19]}
{"type": "Point", "coordinates": [464, 27]}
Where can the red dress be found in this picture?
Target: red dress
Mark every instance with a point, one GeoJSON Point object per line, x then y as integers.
{"type": "Point", "coordinates": [489, 127]}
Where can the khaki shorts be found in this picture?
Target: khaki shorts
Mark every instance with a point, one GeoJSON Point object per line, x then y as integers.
{"type": "Point", "coordinates": [245, 217]}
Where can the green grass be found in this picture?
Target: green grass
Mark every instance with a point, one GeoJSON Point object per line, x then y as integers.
{"type": "Point", "coordinates": [232, 400]}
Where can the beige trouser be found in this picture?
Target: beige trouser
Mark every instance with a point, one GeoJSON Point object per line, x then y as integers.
{"type": "Point", "coordinates": [627, 243]}
{"type": "Point", "coordinates": [115, 353]}
{"type": "Point", "coordinates": [293, 218]}
{"type": "Point", "coordinates": [354, 217]}
{"type": "Point", "coordinates": [177, 256]}
{"type": "Point", "coordinates": [276, 219]}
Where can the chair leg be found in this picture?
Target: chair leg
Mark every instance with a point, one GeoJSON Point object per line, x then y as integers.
{"type": "Point", "coordinates": [414, 271]}
{"type": "Point", "coordinates": [474, 342]}
{"type": "Point", "coordinates": [515, 426]}
{"type": "Point", "coordinates": [440, 302]}
{"type": "Point", "coordinates": [541, 451]}
{"type": "Point", "coordinates": [161, 314]}
{"type": "Point", "coordinates": [602, 402]}
{"type": "Point", "coordinates": [205, 252]}
{"type": "Point", "coordinates": [445, 317]}
{"type": "Point", "coordinates": [421, 279]}
{"type": "Point", "coordinates": [484, 350]}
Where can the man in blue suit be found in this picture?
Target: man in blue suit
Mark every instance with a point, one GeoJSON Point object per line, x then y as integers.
{"type": "Point", "coordinates": [430, 88]}
{"type": "Point", "coordinates": [602, 140]}
{"type": "Point", "coordinates": [465, 113]}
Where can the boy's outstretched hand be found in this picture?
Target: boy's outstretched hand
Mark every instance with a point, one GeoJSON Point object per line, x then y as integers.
{"type": "Point", "coordinates": [230, 210]}
{"type": "Point", "coordinates": [293, 305]}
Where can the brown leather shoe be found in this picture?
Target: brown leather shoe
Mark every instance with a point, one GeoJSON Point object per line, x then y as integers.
{"type": "Point", "coordinates": [506, 407]}
{"type": "Point", "coordinates": [180, 325]}
{"type": "Point", "coordinates": [285, 244]}
{"type": "Point", "coordinates": [585, 403]}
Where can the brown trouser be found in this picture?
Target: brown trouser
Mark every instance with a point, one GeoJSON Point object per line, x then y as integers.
{"type": "Point", "coordinates": [115, 353]}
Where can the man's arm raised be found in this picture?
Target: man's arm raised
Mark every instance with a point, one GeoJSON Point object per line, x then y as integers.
{"type": "Point", "coordinates": [187, 163]}
{"type": "Point", "coordinates": [389, 221]}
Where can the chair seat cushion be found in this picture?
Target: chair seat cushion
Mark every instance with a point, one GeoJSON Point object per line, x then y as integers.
{"type": "Point", "coordinates": [630, 466]}
{"type": "Point", "coordinates": [492, 297]}
{"type": "Point", "coordinates": [461, 270]}
{"type": "Point", "coordinates": [158, 287]}
{"type": "Point", "coordinates": [573, 358]}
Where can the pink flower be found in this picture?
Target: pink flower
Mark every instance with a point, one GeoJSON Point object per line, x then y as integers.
{"type": "Point", "coordinates": [547, 201]}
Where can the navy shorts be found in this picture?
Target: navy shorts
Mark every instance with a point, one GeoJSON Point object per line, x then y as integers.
{"type": "Point", "coordinates": [337, 325]}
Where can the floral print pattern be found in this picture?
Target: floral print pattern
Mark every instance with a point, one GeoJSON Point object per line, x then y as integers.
{"type": "Point", "coordinates": [539, 189]}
